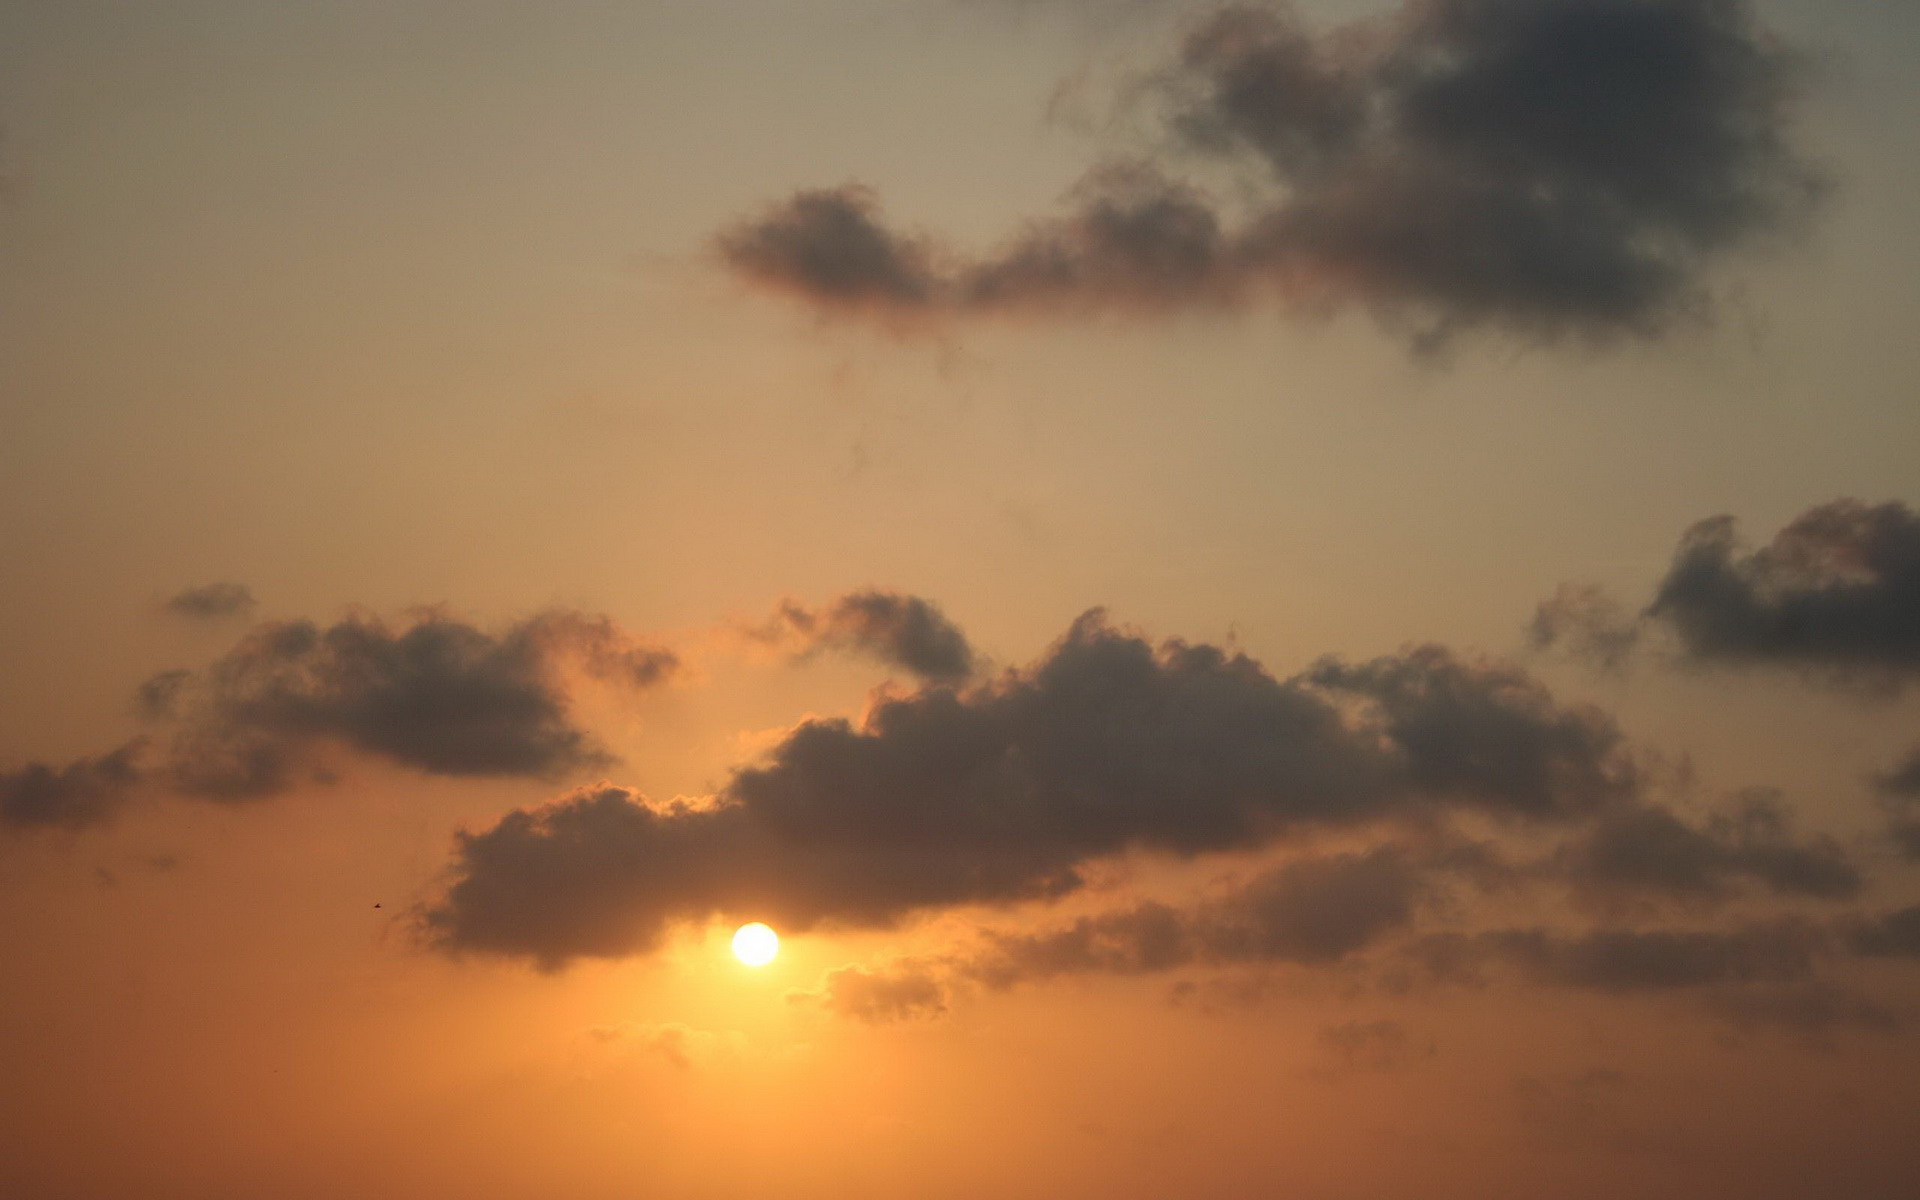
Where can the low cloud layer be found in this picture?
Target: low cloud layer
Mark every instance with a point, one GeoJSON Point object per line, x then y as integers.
{"type": "Point", "coordinates": [1540, 167]}
{"type": "Point", "coordinates": [1005, 791]}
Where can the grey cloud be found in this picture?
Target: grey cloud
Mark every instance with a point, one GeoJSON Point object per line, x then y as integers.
{"type": "Point", "coordinates": [1893, 935]}
{"type": "Point", "coordinates": [1626, 960]}
{"type": "Point", "coordinates": [434, 694]}
{"type": "Point", "coordinates": [1540, 167]}
{"type": "Point", "coordinates": [1003, 791]}
{"type": "Point", "coordinates": [1489, 735]}
{"type": "Point", "coordinates": [1581, 619]}
{"type": "Point", "coordinates": [904, 631]}
{"type": "Point", "coordinates": [1814, 1010]}
{"type": "Point", "coordinates": [829, 245]}
{"type": "Point", "coordinates": [81, 793]}
{"type": "Point", "coordinates": [1314, 911]}
{"type": "Point", "coordinates": [1835, 595]}
{"type": "Point", "coordinates": [1646, 849]}
{"type": "Point", "coordinates": [213, 600]}
{"type": "Point", "coordinates": [1837, 590]}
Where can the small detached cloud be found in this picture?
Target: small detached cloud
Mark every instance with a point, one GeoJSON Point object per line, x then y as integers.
{"type": "Point", "coordinates": [1835, 594]}
{"type": "Point", "coordinates": [901, 631]}
{"type": "Point", "coordinates": [1837, 590]}
{"type": "Point", "coordinates": [434, 694]}
{"type": "Point", "coordinates": [1541, 168]}
{"type": "Point", "coordinates": [212, 601]}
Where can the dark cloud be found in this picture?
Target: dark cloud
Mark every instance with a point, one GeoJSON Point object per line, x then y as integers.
{"type": "Point", "coordinates": [1543, 167]}
{"type": "Point", "coordinates": [85, 792]}
{"type": "Point", "coordinates": [213, 600]}
{"type": "Point", "coordinates": [1003, 791]}
{"type": "Point", "coordinates": [904, 631]}
{"type": "Point", "coordinates": [829, 245]}
{"type": "Point", "coordinates": [1837, 590]}
{"type": "Point", "coordinates": [434, 694]}
{"type": "Point", "coordinates": [1647, 849]}
{"type": "Point", "coordinates": [1488, 735]}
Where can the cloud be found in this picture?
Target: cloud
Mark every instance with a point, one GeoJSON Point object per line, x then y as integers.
{"type": "Point", "coordinates": [1893, 935]}
{"type": "Point", "coordinates": [1488, 735]}
{"type": "Point", "coordinates": [1647, 849]}
{"type": "Point", "coordinates": [1003, 791]}
{"type": "Point", "coordinates": [828, 245]}
{"type": "Point", "coordinates": [84, 792]}
{"type": "Point", "coordinates": [1584, 621]}
{"type": "Point", "coordinates": [905, 992]}
{"type": "Point", "coordinates": [1540, 167]}
{"type": "Point", "coordinates": [434, 694]}
{"type": "Point", "coordinates": [1837, 590]}
{"type": "Point", "coordinates": [1631, 960]}
{"type": "Point", "coordinates": [903, 631]}
{"type": "Point", "coordinates": [1813, 1010]}
{"type": "Point", "coordinates": [1313, 911]}
{"type": "Point", "coordinates": [213, 600]}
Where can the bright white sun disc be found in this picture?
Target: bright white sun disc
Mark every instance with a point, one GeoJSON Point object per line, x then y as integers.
{"type": "Point", "coordinates": [755, 944]}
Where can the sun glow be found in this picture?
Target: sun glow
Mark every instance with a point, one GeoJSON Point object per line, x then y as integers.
{"type": "Point", "coordinates": [755, 944]}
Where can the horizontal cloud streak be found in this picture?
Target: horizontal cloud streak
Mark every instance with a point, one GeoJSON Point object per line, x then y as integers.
{"type": "Point", "coordinates": [1541, 167]}
{"type": "Point", "coordinates": [213, 600]}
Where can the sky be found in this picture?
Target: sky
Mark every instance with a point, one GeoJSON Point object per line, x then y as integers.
{"type": "Point", "coordinates": [1312, 600]}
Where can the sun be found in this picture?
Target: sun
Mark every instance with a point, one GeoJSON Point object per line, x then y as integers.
{"type": "Point", "coordinates": [755, 944]}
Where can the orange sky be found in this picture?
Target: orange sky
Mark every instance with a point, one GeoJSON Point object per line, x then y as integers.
{"type": "Point", "coordinates": [1170, 550]}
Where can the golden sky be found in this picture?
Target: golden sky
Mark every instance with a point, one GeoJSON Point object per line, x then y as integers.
{"type": "Point", "coordinates": [1315, 601]}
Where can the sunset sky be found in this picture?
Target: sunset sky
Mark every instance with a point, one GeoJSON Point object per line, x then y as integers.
{"type": "Point", "coordinates": [1315, 601]}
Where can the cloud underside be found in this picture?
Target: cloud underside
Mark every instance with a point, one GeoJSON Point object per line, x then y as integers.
{"type": "Point", "coordinates": [1008, 791]}
{"type": "Point", "coordinates": [1540, 167]}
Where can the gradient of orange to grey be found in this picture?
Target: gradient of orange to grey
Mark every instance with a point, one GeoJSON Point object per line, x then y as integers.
{"type": "Point", "coordinates": [856, 599]}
